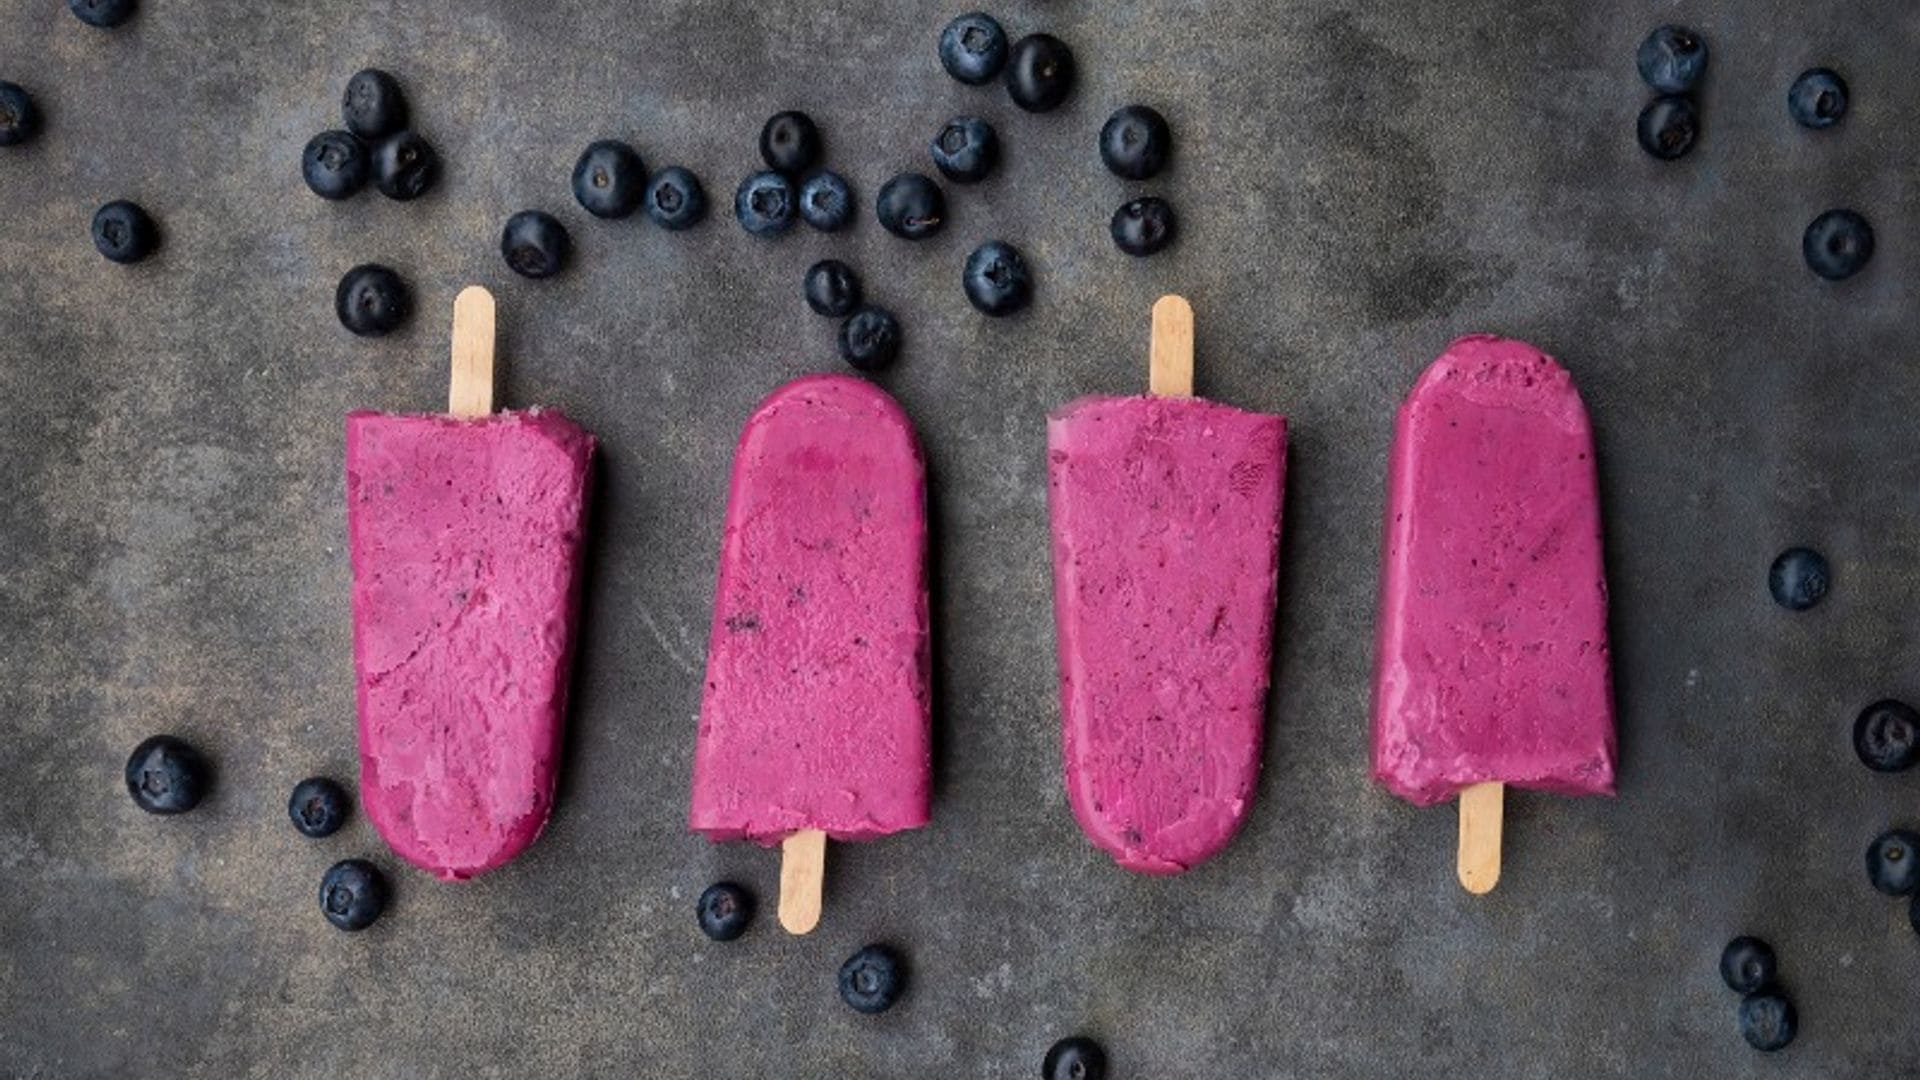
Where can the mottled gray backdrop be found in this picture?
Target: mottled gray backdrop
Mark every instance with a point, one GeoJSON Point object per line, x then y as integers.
{"type": "Point", "coordinates": [1359, 182]}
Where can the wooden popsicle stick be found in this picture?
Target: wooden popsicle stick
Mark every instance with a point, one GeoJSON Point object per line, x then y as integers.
{"type": "Point", "coordinates": [470, 388]}
{"type": "Point", "coordinates": [803, 867]}
{"type": "Point", "coordinates": [1170, 357]}
{"type": "Point", "coordinates": [1482, 810]}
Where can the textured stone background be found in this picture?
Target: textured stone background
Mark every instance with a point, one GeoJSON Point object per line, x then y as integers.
{"type": "Point", "coordinates": [1359, 181]}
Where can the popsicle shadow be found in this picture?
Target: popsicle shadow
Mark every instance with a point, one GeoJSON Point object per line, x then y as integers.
{"type": "Point", "coordinates": [940, 740]}
{"type": "Point", "coordinates": [593, 546]}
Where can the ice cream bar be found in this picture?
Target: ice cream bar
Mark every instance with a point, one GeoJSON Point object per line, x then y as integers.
{"type": "Point", "coordinates": [465, 537]}
{"type": "Point", "coordinates": [1166, 539]}
{"type": "Point", "coordinates": [815, 715]}
{"type": "Point", "coordinates": [1492, 664]}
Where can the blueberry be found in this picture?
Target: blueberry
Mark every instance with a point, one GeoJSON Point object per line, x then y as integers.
{"type": "Point", "coordinates": [675, 200]}
{"type": "Point", "coordinates": [335, 165]}
{"type": "Point", "coordinates": [1818, 98]}
{"type": "Point", "coordinates": [535, 244]}
{"type": "Point", "coordinates": [1887, 736]}
{"type": "Point", "coordinates": [826, 201]}
{"type": "Point", "coordinates": [1135, 143]}
{"type": "Point", "coordinates": [124, 233]}
{"type": "Point", "coordinates": [764, 204]}
{"type": "Point", "coordinates": [318, 807]}
{"type": "Point", "coordinates": [1838, 244]}
{"type": "Point", "coordinates": [103, 13]}
{"type": "Point", "coordinates": [405, 166]}
{"type": "Point", "coordinates": [997, 280]}
{"type": "Point", "coordinates": [966, 149]}
{"type": "Point", "coordinates": [1767, 1020]}
{"type": "Point", "coordinates": [724, 910]}
{"type": "Point", "coordinates": [790, 143]}
{"type": "Point", "coordinates": [1672, 59]}
{"type": "Point", "coordinates": [911, 206]}
{"type": "Point", "coordinates": [1076, 1058]}
{"type": "Point", "coordinates": [609, 179]}
{"type": "Point", "coordinates": [19, 120]}
{"type": "Point", "coordinates": [167, 776]}
{"type": "Point", "coordinates": [1143, 226]}
{"type": "Point", "coordinates": [832, 288]}
{"type": "Point", "coordinates": [373, 106]}
{"type": "Point", "coordinates": [871, 980]}
{"type": "Point", "coordinates": [1799, 579]}
{"type": "Point", "coordinates": [1747, 965]}
{"type": "Point", "coordinates": [1669, 126]}
{"type": "Point", "coordinates": [1893, 862]}
{"type": "Point", "coordinates": [352, 894]}
{"type": "Point", "coordinates": [372, 301]}
{"type": "Point", "coordinates": [1039, 72]}
{"type": "Point", "coordinates": [973, 48]}
{"type": "Point", "coordinates": [870, 338]}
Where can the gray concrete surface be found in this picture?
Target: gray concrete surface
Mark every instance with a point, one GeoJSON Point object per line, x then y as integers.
{"type": "Point", "coordinates": [1359, 182]}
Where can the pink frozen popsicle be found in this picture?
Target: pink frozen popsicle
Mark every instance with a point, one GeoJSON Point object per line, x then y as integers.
{"type": "Point", "coordinates": [1492, 666]}
{"type": "Point", "coordinates": [815, 718]}
{"type": "Point", "coordinates": [465, 536]}
{"type": "Point", "coordinates": [1166, 541]}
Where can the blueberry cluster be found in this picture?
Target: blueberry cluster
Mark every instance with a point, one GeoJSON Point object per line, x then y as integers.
{"type": "Point", "coordinates": [611, 182]}
{"type": "Point", "coordinates": [1135, 144]}
{"type": "Point", "coordinates": [870, 980]}
{"type": "Point", "coordinates": [1766, 1016]}
{"type": "Point", "coordinates": [1886, 736]}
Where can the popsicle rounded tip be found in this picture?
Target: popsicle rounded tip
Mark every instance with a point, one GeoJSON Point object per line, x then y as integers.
{"type": "Point", "coordinates": [473, 294]}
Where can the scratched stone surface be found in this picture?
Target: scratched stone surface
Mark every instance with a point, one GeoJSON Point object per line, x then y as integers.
{"type": "Point", "coordinates": [1358, 183]}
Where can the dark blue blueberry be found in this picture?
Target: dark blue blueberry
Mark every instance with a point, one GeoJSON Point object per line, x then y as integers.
{"type": "Point", "coordinates": [826, 201]}
{"type": "Point", "coordinates": [609, 179]}
{"type": "Point", "coordinates": [1669, 126]}
{"type": "Point", "coordinates": [318, 807]}
{"type": "Point", "coordinates": [1893, 862]}
{"type": "Point", "coordinates": [103, 13]}
{"type": "Point", "coordinates": [675, 199]}
{"type": "Point", "coordinates": [535, 244]}
{"type": "Point", "coordinates": [870, 339]}
{"type": "Point", "coordinates": [1767, 1020]}
{"type": "Point", "coordinates": [997, 280]}
{"type": "Point", "coordinates": [405, 166]}
{"type": "Point", "coordinates": [911, 206]}
{"type": "Point", "coordinates": [1143, 226]}
{"type": "Point", "coordinates": [790, 143]}
{"type": "Point", "coordinates": [374, 106]}
{"type": "Point", "coordinates": [19, 119]}
{"type": "Point", "coordinates": [1075, 1058]}
{"type": "Point", "coordinates": [1672, 59]}
{"type": "Point", "coordinates": [124, 233]}
{"type": "Point", "coordinates": [1136, 142]}
{"type": "Point", "coordinates": [966, 150]}
{"type": "Point", "coordinates": [832, 288]}
{"type": "Point", "coordinates": [764, 204]}
{"type": "Point", "coordinates": [335, 165]}
{"type": "Point", "coordinates": [353, 893]}
{"type": "Point", "coordinates": [167, 776]}
{"type": "Point", "coordinates": [1799, 579]}
{"type": "Point", "coordinates": [1747, 965]}
{"type": "Point", "coordinates": [1818, 98]}
{"type": "Point", "coordinates": [1887, 736]}
{"type": "Point", "coordinates": [973, 48]}
{"type": "Point", "coordinates": [724, 910]}
{"type": "Point", "coordinates": [1838, 244]}
{"type": "Point", "coordinates": [372, 301]}
{"type": "Point", "coordinates": [1039, 72]}
{"type": "Point", "coordinates": [871, 980]}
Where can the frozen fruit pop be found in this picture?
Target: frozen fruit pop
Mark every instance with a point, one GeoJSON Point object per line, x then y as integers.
{"type": "Point", "coordinates": [1166, 543]}
{"type": "Point", "coordinates": [815, 718]}
{"type": "Point", "coordinates": [465, 536]}
{"type": "Point", "coordinates": [1492, 666]}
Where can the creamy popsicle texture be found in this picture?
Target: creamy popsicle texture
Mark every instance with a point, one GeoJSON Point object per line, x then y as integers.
{"type": "Point", "coordinates": [1493, 660]}
{"type": "Point", "coordinates": [1166, 543]}
{"type": "Point", "coordinates": [816, 709]}
{"type": "Point", "coordinates": [465, 539]}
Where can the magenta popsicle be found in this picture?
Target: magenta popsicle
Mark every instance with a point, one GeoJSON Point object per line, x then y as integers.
{"type": "Point", "coordinates": [1493, 662]}
{"type": "Point", "coordinates": [1166, 533]}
